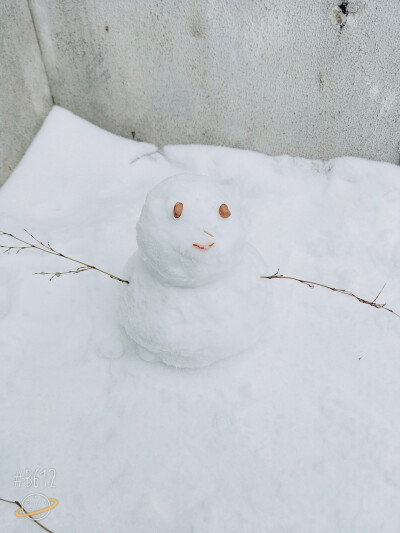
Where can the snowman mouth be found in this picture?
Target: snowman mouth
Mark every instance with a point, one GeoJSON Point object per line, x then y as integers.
{"type": "Point", "coordinates": [205, 247]}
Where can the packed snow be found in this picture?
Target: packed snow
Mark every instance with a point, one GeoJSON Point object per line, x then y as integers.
{"type": "Point", "coordinates": [207, 285]}
{"type": "Point", "coordinates": [298, 434]}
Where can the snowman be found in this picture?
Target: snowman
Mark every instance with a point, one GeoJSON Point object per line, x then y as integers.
{"type": "Point", "coordinates": [195, 295]}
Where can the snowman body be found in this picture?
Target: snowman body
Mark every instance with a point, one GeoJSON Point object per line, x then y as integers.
{"type": "Point", "coordinates": [195, 295]}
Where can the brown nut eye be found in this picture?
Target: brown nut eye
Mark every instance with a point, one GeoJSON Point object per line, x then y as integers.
{"type": "Point", "coordinates": [178, 208]}
{"type": "Point", "coordinates": [224, 211]}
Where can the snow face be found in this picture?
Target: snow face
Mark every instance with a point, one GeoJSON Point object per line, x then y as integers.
{"type": "Point", "coordinates": [199, 245]}
{"type": "Point", "coordinates": [299, 434]}
{"type": "Point", "coordinates": [195, 294]}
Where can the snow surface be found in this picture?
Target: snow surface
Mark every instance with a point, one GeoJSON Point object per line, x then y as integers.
{"type": "Point", "coordinates": [207, 285]}
{"type": "Point", "coordinates": [300, 435]}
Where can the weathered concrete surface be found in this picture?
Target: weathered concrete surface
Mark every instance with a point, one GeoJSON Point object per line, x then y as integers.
{"type": "Point", "coordinates": [308, 78]}
{"type": "Point", "coordinates": [24, 91]}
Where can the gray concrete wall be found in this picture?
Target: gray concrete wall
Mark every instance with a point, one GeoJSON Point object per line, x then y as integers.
{"type": "Point", "coordinates": [307, 77]}
{"type": "Point", "coordinates": [314, 78]}
{"type": "Point", "coordinates": [24, 91]}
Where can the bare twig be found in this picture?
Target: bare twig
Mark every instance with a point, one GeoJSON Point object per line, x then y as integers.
{"type": "Point", "coordinates": [8, 249]}
{"type": "Point", "coordinates": [26, 512]}
{"type": "Point", "coordinates": [58, 274]}
{"type": "Point", "coordinates": [312, 284]}
{"type": "Point", "coordinates": [85, 266]}
{"type": "Point", "coordinates": [145, 155]}
{"type": "Point", "coordinates": [49, 250]}
{"type": "Point", "coordinates": [379, 293]}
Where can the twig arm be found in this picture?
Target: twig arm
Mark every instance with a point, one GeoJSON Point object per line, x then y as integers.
{"type": "Point", "coordinates": [85, 266]}
{"type": "Point", "coordinates": [312, 284]}
{"type": "Point", "coordinates": [41, 246]}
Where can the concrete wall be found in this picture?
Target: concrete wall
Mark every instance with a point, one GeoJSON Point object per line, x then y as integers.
{"type": "Point", "coordinates": [315, 78]}
{"type": "Point", "coordinates": [24, 91]}
{"type": "Point", "coordinates": [310, 78]}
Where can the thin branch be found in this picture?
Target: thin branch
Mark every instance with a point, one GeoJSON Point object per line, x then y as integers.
{"type": "Point", "coordinates": [37, 240]}
{"type": "Point", "coordinates": [8, 249]}
{"type": "Point", "coordinates": [26, 512]}
{"type": "Point", "coordinates": [312, 284]}
{"type": "Point", "coordinates": [85, 266]}
{"type": "Point", "coordinates": [379, 293]}
{"type": "Point", "coordinates": [148, 154]}
{"type": "Point", "coordinates": [49, 250]}
{"type": "Point", "coordinates": [58, 274]}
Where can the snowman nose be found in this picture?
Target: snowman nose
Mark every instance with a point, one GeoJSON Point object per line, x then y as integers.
{"type": "Point", "coordinates": [208, 233]}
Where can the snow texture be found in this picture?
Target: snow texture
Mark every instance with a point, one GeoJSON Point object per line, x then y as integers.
{"type": "Point", "coordinates": [206, 281]}
{"type": "Point", "coordinates": [298, 435]}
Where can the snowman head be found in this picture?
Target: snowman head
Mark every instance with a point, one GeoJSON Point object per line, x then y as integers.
{"type": "Point", "coordinates": [189, 232]}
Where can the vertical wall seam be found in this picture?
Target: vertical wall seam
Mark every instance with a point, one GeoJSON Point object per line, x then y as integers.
{"type": "Point", "coordinates": [40, 51]}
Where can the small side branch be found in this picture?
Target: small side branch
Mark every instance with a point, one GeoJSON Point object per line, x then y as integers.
{"type": "Point", "coordinates": [47, 248]}
{"type": "Point", "coordinates": [26, 512]}
{"type": "Point", "coordinates": [312, 284]}
{"type": "Point", "coordinates": [17, 249]}
{"type": "Point", "coordinates": [58, 274]}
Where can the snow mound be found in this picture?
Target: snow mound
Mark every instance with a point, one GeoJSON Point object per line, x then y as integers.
{"type": "Point", "coordinates": [300, 434]}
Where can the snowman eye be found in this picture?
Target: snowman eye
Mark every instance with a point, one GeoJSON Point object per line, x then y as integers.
{"type": "Point", "coordinates": [224, 211]}
{"type": "Point", "coordinates": [178, 208]}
